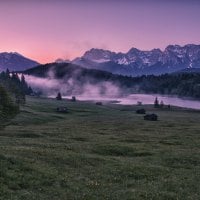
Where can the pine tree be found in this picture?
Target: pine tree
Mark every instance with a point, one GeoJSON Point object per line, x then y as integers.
{"type": "Point", "coordinates": [59, 97]}
{"type": "Point", "coordinates": [7, 107]}
{"type": "Point", "coordinates": [156, 103]}
{"type": "Point", "coordinates": [161, 104]}
{"type": "Point", "coordinates": [7, 73]}
{"type": "Point", "coordinates": [24, 86]}
{"type": "Point", "coordinates": [23, 80]}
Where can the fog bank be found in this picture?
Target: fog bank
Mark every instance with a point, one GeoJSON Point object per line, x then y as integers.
{"type": "Point", "coordinates": [70, 87]}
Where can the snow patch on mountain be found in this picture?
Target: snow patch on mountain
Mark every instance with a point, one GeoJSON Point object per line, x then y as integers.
{"type": "Point", "coordinates": [123, 61]}
{"type": "Point", "coordinates": [102, 60]}
{"type": "Point", "coordinates": [135, 61]}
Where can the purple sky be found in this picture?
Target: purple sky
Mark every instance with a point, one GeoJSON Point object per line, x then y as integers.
{"type": "Point", "coordinates": [45, 30]}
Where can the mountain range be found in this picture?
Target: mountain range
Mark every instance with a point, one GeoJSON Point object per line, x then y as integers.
{"type": "Point", "coordinates": [133, 63]}
{"type": "Point", "coordinates": [15, 62]}
{"type": "Point", "coordinates": [137, 62]}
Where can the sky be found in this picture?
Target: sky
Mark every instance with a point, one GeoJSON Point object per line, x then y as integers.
{"type": "Point", "coordinates": [45, 30]}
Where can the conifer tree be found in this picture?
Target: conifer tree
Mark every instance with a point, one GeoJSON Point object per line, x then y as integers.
{"type": "Point", "coordinates": [7, 73]}
{"type": "Point", "coordinates": [7, 107]}
{"type": "Point", "coordinates": [161, 104]}
{"type": "Point", "coordinates": [59, 97]}
{"type": "Point", "coordinates": [156, 103]}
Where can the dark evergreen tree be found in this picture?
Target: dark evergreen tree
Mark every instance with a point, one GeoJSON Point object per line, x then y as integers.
{"type": "Point", "coordinates": [162, 104]}
{"type": "Point", "coordinates": [7, 73]}
{"type": "Point", "coordinates": [15, 86]}
{"type": "Point", "coordinates": [7, 107]}
{"type": "Point", "coordinates": [26, 89]}
{"type": "Point", "coordinates": [59, 97]}
{"type": "Point", "coordinates": [156, 103]}
{"type": "Point", "coordinates": [15, 78]}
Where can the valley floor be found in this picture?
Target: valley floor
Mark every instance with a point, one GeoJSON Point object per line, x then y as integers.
{"type": "Point", "coordinates": [99, 152]}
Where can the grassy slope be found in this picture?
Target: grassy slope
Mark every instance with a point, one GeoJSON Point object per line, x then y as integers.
{"type": "Point", "coordinates": [99, 152]}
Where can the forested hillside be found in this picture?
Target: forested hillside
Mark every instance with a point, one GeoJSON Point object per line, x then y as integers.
{"type": "Point", "coordinates": [181, 84]}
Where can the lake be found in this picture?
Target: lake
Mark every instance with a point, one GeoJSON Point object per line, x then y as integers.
{"type": "Point", "coordinates": [145, 99]}
{"type": "Point", "coordinates": [149, 99]}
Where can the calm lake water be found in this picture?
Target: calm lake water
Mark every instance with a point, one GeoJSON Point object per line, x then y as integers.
{"type": "Point", "coordinates": [149, 99]}
{"type": "Point", "coordinates": [146, 99]}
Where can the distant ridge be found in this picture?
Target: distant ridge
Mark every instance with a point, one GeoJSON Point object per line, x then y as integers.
{"type": "Point", "coordinates": [66, 70]}
{"type": "Point", "coordinates": [15, 62]}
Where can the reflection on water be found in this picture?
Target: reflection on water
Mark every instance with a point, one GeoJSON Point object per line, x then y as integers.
{"type": "Point", "coordinates": [145, 99]}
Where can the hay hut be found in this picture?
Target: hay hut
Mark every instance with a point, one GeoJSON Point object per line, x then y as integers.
{"type": "Point", "coordinates": [151, 117]}
{"type": "Point", "coordinates": [99, 103]}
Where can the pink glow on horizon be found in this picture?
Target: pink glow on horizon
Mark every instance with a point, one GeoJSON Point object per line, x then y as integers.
{"type": "Point", "coordinates": [47, 30]}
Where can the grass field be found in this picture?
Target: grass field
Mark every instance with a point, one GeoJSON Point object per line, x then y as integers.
{"type": "Point", "coordinates": [99, 152]}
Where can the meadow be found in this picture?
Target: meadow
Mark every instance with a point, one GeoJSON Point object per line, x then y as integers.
{"type": "Point", "coordinates": [99, 152]}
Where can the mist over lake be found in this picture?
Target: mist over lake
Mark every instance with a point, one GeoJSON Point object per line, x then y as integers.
{"type": "Point", "coordinates": [133, 99]}
{"type": "Point", "coordinates": [168, 100]}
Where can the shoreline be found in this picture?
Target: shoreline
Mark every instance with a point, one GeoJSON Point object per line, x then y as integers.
{"type": "Point", "coordinates": [146, 99]}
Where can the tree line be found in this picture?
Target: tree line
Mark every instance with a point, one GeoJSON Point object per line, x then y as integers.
{"type": "Point", "coordinates": [182, 84]}
{"type": "Point", "coordinates": [12, 93]}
